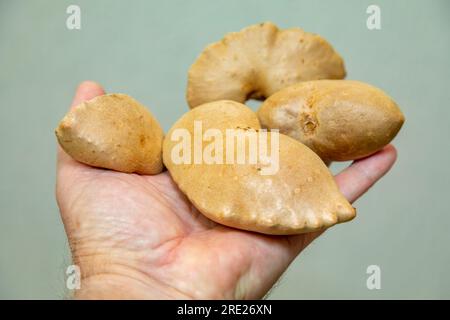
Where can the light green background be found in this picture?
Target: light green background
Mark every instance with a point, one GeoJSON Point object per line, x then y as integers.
{"type": "Point", "coordinates": [144, 48]}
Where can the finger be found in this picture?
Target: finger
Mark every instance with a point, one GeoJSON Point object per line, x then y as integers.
{"type": "Point", "coordinates": [362, 174]}
{"type": "Point", "coordinates": [86, 90]}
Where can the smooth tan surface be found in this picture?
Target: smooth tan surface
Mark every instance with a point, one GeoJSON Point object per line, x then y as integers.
{"type": "Point", "coordinates": [338, 119]}
{"type": "Point", "coordinates": [301, 197]}
{"type": "Point", "coordinates": [259, 61]}
{"type": "Point", "coordinates": [113, 131]}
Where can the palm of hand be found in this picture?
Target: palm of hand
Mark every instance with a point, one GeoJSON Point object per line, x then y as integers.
{"type": "Point", "coordinates": [144, 224]}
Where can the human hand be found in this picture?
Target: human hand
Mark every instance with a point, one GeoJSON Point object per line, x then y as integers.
{"type": "Point", "coordinates": [139, 237]}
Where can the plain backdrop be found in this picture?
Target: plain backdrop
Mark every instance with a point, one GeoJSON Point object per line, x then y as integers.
{"type": "Point", "coordinates": [144, 48]}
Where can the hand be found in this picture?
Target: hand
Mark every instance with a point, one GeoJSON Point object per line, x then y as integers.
{"type": "Point", "coordinates": [139, 237]}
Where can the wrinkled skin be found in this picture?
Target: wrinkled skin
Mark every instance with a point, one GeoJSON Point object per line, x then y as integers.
{"type": "Point", "coordinates": [138, 237]}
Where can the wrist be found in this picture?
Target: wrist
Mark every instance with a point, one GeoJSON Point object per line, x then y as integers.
{"type": "Point", "coordinates": [118, 287]}
{"type": "Point", "coordinates": [115, 287]}
{"type": "Point", "coordinates": [123, 283]}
